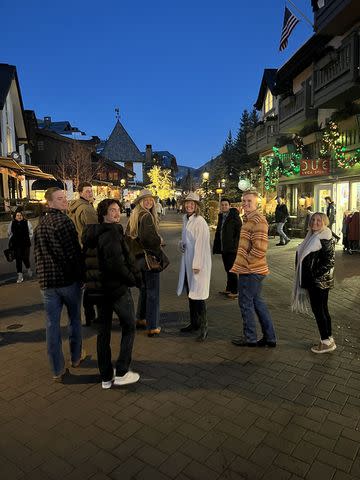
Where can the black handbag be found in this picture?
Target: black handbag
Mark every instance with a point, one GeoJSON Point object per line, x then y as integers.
{"type": "Point", "coordinates": [9, 254]}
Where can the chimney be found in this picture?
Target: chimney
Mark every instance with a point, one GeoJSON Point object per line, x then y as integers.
{"type": "Point", "coordinates": [47, 122]}
{"type": "Point", "coordinates": [148, 154]}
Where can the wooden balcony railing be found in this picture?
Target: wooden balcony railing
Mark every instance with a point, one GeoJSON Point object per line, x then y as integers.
{"type": "Point", "coordinates": [335, 68]}
{"type": "Point", "coordinates": [287, 107]}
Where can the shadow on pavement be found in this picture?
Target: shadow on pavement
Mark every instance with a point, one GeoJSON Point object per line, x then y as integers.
{"type": "Point", "coordinates": [21, 310]}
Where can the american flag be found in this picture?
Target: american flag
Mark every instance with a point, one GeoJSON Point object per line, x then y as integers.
{"type": "Point", "coordinates": [290, 22]}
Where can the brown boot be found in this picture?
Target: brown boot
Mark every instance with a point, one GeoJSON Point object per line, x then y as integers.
{"type": "Point", "coordinates": [141, 324]}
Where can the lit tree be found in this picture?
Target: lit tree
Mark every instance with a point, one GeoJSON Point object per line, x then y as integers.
{"type": "Point", "coordinates": [161, 182]}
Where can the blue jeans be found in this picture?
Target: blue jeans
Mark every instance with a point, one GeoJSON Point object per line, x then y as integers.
{"type": "Point", "coordinates": [280, 230]}
{"type": "Point", "coordinates": [149, 300]}
{"type": "Point", "coordinates": [54, 300]}
{"type": "Point", "coordinates": [250, 302]}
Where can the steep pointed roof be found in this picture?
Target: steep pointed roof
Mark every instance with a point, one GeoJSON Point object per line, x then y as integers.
{"type": "Point", "coordinates": [9, 82]}
{"type": "Point", "coordinates": [120, 147]}
{"type": "Point", "coordinates": [268, 82]}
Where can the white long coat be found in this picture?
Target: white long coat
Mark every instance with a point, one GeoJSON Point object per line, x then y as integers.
{"type": "Point", "coordinates": [195, 240]}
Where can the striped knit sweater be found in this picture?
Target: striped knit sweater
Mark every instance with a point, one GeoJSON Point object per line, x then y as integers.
{"type": "Point", "coordinates": [253, 243]}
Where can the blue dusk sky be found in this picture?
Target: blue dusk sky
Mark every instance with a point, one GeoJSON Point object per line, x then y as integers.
{"type": "Point", "coordinates": [181, 72]}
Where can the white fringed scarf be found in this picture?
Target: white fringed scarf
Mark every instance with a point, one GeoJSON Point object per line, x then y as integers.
{"type": "Point", "coordinates": [311, 243]}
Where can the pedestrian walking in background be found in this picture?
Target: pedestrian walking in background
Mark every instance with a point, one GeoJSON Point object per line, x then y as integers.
{"type": "Point", "coordinates": [82, 213]}
{"type": "Point", "coordinates": [143, 230]}
{"type": "Point", "coordinates": [127, 208]}
{"type": "Point", "coordinates": [159, 209]}
{"type": "Point", "coordinates": [309, 214]}
{"type": "Point", "coordinates": [20, 233]}
{"type": "Point", "coordinates": [345, 231]}
{"type": "Point", "coordinates": [195, 266]}
{"type": "Point", "coordinates": [251, 266]}
{"type": "Point", "coordinates": [110, 272]}
{"type": "Point", "coordinates": [314, 276]}
{"type": "Point", "coordinates": [226, 243]}
{"type": "Point", "coordinates": [59, 267]}
{"type": "Point", "coordinates": [331, 214]}
{"type": "Point", "coordinates": [281, 216]}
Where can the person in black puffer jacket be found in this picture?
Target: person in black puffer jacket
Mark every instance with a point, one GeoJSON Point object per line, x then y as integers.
{"type": "Point", "coordinates": [110, 271]}
{"type": "Point", "coordinates": [315, 260]}
{"type": "Point", "coordinates": [226, 243]}
{"type": "Point", "coordinates": [20, 233]}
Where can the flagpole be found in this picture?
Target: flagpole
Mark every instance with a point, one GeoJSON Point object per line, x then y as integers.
{"type": "Point", "coordinates": [303, 15]}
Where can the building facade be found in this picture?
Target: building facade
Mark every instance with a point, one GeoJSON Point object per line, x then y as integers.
{"type": "Point", "coordinates": [313, 148]}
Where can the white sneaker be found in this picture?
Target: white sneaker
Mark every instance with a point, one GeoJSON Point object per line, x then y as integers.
{"type": "Point", "coordinates": [327, 347]}
{"type": "Point", "coordinates": [108, 384]}
{"type": "Point", "coordinates": [20, 278]}
{"type": "Point", "coordinates": [29, 273]}
{"type": "Point", "coordinates": [129, 377]}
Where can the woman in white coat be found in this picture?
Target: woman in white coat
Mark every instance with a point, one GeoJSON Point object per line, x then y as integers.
{"type": "Point", "coordinates": [195, 268]}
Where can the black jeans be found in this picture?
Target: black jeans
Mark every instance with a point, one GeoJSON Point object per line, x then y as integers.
{"type": "Point", "coordinates": [197, 313]}
{"type": "Point", "coordinates": [89, 308]}
{"type": "Point", "coordinates": [22, 254]}
{"type": "Point", "coordinates": [124, 309]}
{"type": "Point", "coordinates": [197, 310]}
{"type": "Point", "coordinates": [319, 305]}
{"type": "Point", "coordinates": [232, 280]}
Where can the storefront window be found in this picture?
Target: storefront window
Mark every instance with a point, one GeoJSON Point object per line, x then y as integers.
{"type": "Point", "coordinates": [322, 191]}
{"type": "Point", "coordinates": [342, 203]}
{"type": "Point", "coordinates": [355, 196]}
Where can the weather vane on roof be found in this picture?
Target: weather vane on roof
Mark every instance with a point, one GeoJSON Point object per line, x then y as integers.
{"type": "Point", "coordinates": [117, 113]}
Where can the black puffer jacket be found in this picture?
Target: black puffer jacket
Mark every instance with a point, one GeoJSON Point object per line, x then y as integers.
{"type": "Point", "coordinates": [318, 267]}
{"type": "Point", "coordinates": [110, 267]}
{"type": "Point", "coordinates": [230, 233]}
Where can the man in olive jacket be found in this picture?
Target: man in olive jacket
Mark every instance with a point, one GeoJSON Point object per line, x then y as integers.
{"type": "Point", "coordinates": [83, 213]}
{"type": "Point", "coordinates": [226, 242]}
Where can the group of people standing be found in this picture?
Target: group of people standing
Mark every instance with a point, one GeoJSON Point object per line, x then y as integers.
{"type": "Point", "coordinates": [80, 252]}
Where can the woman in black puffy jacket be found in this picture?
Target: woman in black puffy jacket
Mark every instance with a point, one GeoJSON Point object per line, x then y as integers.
{"type": "Point", "coordinates": [110, 271]}
{"type": "Point", "coordinates": [314, 277]}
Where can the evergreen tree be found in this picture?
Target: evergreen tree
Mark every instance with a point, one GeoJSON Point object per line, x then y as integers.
{"type": "Point", "coordinates": [240, 142]}
{"type": "Point", "coordinates": [229, 145]}
{"type": "Point", "coordinates": [254, 118]}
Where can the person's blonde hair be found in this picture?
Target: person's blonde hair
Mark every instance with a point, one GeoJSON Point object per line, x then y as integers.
{"type": "Point", "coordinates": [133, 225]}
{"type": "Point", "coordinates": [50, 192]}
{"type": "Point", "coordinates": [250, 192]}
{"type": "Point", "coordinates": [324, 219]}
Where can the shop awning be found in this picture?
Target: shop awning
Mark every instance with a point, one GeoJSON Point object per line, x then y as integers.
{"type": "Point", "coordinates": [32, 171]}
{"type": "Point", "coordinates": [29, 171]}
{"type": "Point", "coordinates": [43, 184]}
{"type": "Point", "coordinates": [10, 163]}
{"type": "Point", "coordinates": [102, 183]}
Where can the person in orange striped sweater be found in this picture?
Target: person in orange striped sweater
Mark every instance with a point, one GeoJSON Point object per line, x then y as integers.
{"type": "Point", "coordinates": [251, 266]}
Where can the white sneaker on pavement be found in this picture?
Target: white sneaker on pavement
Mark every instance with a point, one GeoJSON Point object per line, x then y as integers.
{"type": "Point", "coordinates": [108, 384]}
{"type": "Point", "coordinates": [325, 346]}
{"type": "Point", "coordinates": [129, 377]}
{"type": "Point", "coordinates": [20, 278]}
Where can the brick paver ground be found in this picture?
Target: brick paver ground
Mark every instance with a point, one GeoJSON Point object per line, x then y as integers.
{"type": "Point", "coordinates": [201, 411]}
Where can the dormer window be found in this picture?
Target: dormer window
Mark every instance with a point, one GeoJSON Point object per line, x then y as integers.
{"type": "Point", "coordinates": [269, 101]}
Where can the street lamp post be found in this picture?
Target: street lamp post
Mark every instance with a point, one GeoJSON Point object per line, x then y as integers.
{"type": "Point", "coordinates": [221, 188]}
